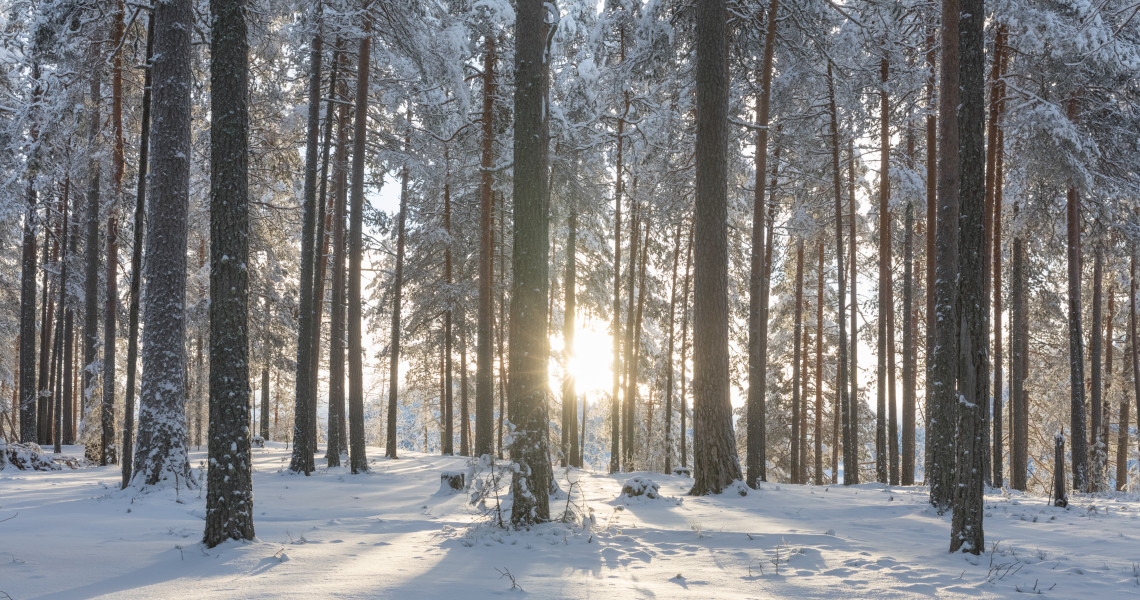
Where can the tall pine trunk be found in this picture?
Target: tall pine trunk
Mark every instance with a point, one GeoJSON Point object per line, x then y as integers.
{"type": "Point", "coordinates": [338, 417]}
{"type": "Point", "coordinates": [885, 461]}
{"type": "Point", "coordinates": [529, 343]}
{"type": "Point", "coordinates": [973, 337]}
{"type": "Point", "coordinates": [756, 455]}
{"type": "Point", "coordinates": [798, 375]}
{"type": "Point", "coordinates": [569, 391]}
{"type": "Point", "coordinates": [397, 299]}
{"type": "Point", "coordinates": [1078, 425]}
{"type": "Point", "coordinates": [669, 355]}
{"type": "Point", "coordinates": [714, 453]}
{"type": "Point", "coordinates": [358, 458]}
{"type": "Point", "coordinates": [485, 320]}
{"type": "Point", "coordinates": [942, 375]}
{"type": "Point", "coordinates": [685, 345]}
{"type": "Point", "coordinates": [229, 496]}
{"type": "Point", "coordinates": [304, 426]}
{"type": "Point", "coordinates": [160, 451]}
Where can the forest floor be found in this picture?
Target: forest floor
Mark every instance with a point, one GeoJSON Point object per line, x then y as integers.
{"type": "Point", "coordinates": [393, 533]}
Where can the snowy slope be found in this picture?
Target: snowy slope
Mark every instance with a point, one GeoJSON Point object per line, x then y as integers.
{"type": "Point", "coordinates": [393, 534]}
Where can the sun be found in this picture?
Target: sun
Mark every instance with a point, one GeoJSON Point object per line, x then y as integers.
{"type": "Point", "coordinates": [591, 364]}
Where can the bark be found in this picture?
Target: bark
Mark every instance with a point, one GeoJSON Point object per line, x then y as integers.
{"type": "Point", "coordinates": [338, 442]}
{"type": "Point", "coordinates": [160, 451]}
{"type": "Point", "coordinates": [1078, 441]}
{"type": "Point", "coordinates": [529, 343]}
{"type": "Point", "coordinates": [841, 372]}
{"type": "Point", "coordinates": [615, 399]}
{"type": "Point", "coordinates": [321, 257]}
{"type": "Point", "coordinates": [910, 360]}
{"type": "Point", "coordinates": [715, 458]}
{"type": "Point", "coordinates": [485, 320]}
{"type": "Point", "coordinates": [229, 495]}
{"type": "Point", "coordinates": [447, 410]}
{"type": "Point", "coordinates": [943, 356]}
{"type": "Point", "coordinates": [464, 407]}
{"type": "Point", "coordinates": [851, 425]}
{"type": "Point", "coordinates": [931, 229]}
{"type": "Point", "coordinates": [110, 311]}
{"type": "Point", "coordinates": [27, 337]}
{"type": "Point", "coordinates": [91, 368]}
{"type": "Point", "coordinates": [798, 375]}
{"type": "Point", "coordinates": [994, 197]}
{"type": "Point", "coordinates": [43, 396]}
{"type": "Point", "coordinates": [685, 343]}
{"type": "Point", "coordinates": [502, 323]}
{"type": "Point", "coordinates": [1135, 353]}
{"type": "Point", "coordinates": [966, 533]}
{"type": "Point", "coordinates": [756, 445]}
{"type": "Point", "coordinates": [1122, 427]}
{"type": "Point", "coordinates": [65, 423]}
{"type": "Point", "coordinates": [631, 341]}
{"type": "Point", "coordinates": [669, 355]}
{"type": "Point", "coordinates": [569, 392]}
{"type": "Point", "coordinates": [1097, 455]}
{"type": "Point", "coordinates": [885, 467]}
{"type": "Point", "coordinates": [397, 299]}
{"type": "Point", "coordinates": [1018, 360]}
{"type": "Point", "coordinates": [358, 458]}
{"type": "Point", "coordinates": [304, 426]}
{"type": "Point", "coordinates": [60, 369]}
{"type": "Point", "coordinates": [818, 434]}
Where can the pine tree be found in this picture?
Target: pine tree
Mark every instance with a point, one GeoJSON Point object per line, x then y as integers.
{"type": "Point", "coordinates": [229, 494]}
{"type": "Point", "coordinates": [160, 451]}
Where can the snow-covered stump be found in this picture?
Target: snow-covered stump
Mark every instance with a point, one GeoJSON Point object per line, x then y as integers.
{"type": "Point", "coordinates": [640, 486]}
{"type": "Point", "coordinates": [683, 472]}
{"type": "Point", "coordinates": [451, 482]}
{"type": "Point", "coordinates": [257, 442]}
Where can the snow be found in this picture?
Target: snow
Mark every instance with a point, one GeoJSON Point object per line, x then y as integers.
{"type": "Point", "coordinates": [391, 534]}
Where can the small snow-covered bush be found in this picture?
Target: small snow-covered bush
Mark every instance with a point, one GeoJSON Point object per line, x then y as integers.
{"type": "Point", "coordinates": [640, 486]}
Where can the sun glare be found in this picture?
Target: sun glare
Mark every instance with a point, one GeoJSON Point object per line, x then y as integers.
{"type": "Point", "coordinates": [591, 363]}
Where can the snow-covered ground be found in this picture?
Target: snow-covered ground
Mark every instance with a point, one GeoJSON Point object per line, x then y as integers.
{"type": "Point", "coordinates": [393, 534]}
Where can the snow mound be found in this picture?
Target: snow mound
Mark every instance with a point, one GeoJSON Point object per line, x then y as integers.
{"type": "Point", "coordinates": [26, 457]}
{"type": "Point", "coordinates": [640, 486]}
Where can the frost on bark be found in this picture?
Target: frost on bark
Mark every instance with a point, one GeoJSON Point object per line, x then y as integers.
{"type": "Point", "coordinates": [529, 343]}
{"type": "Point", "coordinates": [714, 450]}
{"type": "Point", "coordinates": [229, 484]}
{"type": "Point", "coordinates": [160, 451]}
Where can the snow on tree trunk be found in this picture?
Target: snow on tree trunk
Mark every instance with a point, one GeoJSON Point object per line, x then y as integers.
{"type": "Point", "coordinates": [160, 451]}
{"type": "Point", "coordinates": [229, 483]}
{"type": "Point", "coordinates": [529, 343]}
{"type": "Point", "coordinates": [358, 459]}
{"type": "Point", "coordinates": [714, 448]}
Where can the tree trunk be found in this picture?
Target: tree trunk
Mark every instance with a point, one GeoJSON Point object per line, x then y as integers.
{"type": "Point", "coordinates": [358, 457]}
{"type": "Point", "coordinates": [1018, 362]}
{"type": "Point", "coordinates": [851, 426]}
{"type": "Point", "coordinates": [529, 343]}
{"type": "Point", "coordinates": [448, 408]}
{"type": "Point", "coordinates": [1122, 427]}
{"type": "Point", "coordinates": [304, 427]}
{"type": "Point", "coordinates": [484, 342]}
{"type": "Point", "coordinates": [756, 446]}
{"type": "Point", "coordinates": [1097, 455]}
{"type": "Point", "coordinates": [47, 308]}
{"type": "Point", "coordinates": [136, 267]}
{"type": "Point", "coordinates": [669, 355]}
{"type": "Point", "coordinates": [92, 367]}
{"type": "Point", "coordinates": [885, 467]}
{"type": "Point", "coordinates": [685, 343]}
{"type": "Point", "coordinates": [502, 323]}
{"type": "Point", "coordinates": [818, 434]}
{"type": "Point", "coordinates": [112, 300]}
{"type": "Point", "coordinates": [398, 291]}
{"type": "Point", "coordinates": [994, 198]}
{"type": "Point", "coordinates": [973, 363]}
{"type": "Point", "coordinates": [338, 442]}
{"type": "Point", "coordinates": [1079, 448]}
{"type": "Point", "coordinates": [931, 229]}
{"type": "Point", "coordinates": [464, 408]}
{"type": "Point", "coordinates": [944, 355]}
{"type": "Point", "coordinates": [615, 398]}
{"type": "Point", "coordinates": [841, 372]}
{"type": "Point", "coordinates": [569, 392]}
{"type": "Point", "coordinates": [798, 375]}
{"type": "Point", "coordinates": [1135, 351]}
{"type": "Point", "coordinates": [910, 360]}
{"type": "Point", "coordinates": [160, 451]}
{"type": "Point", "coordinates": [631, 342]}
{"type": "Point", "coordinates": [715, 456]}
{"type": "Point", "coordinates": [229, 496]}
